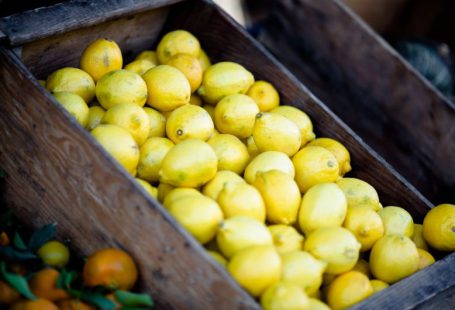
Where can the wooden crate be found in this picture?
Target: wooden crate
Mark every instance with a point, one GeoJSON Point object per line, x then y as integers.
{"type": "Point", "coordinates": [58, 172]}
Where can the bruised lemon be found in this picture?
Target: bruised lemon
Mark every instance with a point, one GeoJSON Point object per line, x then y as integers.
{"type": "Point", "coordinates": [283, 295]}
{"type": "Point", "coordinates": [265, 95]}
{"type": "Point", "coordinates": [231, 152]}
{"type": "Point", "coordinates": [439, 227]}
{"type": "Point", "coordinates": [365, 224]}
{"type": "Point", "coordinates": [75, 106]}
{"type": "Point", "coordinates": [95, 116]}
{"type": "Point", "coordinates": [177, 42]}
{"type": "Point", "coordinates": [286, 238]}
{"type": "Point", "coordinates": [148, 55]}
{"type": "Point", "coordinates": [204, 60]}
{"type": "Point", "coordinates": [338, 150]}
{"type": "Point", "coordinates": [378, 285]}
{"type": "Point", "coordinates": [425, 259]}
{"type": "Point", "coordinates": [222, 178]}
{"type": "Point", "coordinates": [189, 122]}
{"type": "Point", "coordinates": [140, 66]}
{"type": "Point", "coordinates": [151, 190]}
{"type": "Point", "coordinates": [218, 258]}
{"type": "Point", "coordinates": [100, 57]}
{"type": "Point", "coordinates": [417, 237]}
{"type": "Point", "coordinates": [359, 193]}
{"type": "Point", "coordinates": [152, 153]}
{"type": "Point", "coordinates": [348, 289]}
{"type": "Point", "coordinates": [300, 119]}
{"type": "Point", "coordinates": [397, 220]}
{"type": "Point", "coordinates": [178, 193]}
{"type": "Point", "coordinates": [72, 80]}
{"type": "Point", "coordinates": [190, 67]}
{"type": "Point", "coordinates": [157, 123]}
{"type": "Point", "coordinates": [267, 161]}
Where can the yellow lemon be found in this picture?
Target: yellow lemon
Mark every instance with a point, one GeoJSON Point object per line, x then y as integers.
{"type": "Point", "coordinates": [72, 80]}
{"type": "Point", "coordinates": [151, 190]}
{"type": "Point", "coordinates": [281, 196]}
{"type": "Point", "coordinates": [191, 163]}
{"type": "Point", "coordinates": [148, 55]}
{"type": "Point", "coordinates": [365, 224]}
{"type": "Point", "coordinates": [224, 79]}
{"type": "Point", "coordinates": [439, 227]}
{"type": "Point", "coordinates": [75, 106]}
{"type": "Point", "coordinates": [95, 116]}
{"type": "Point", "coordinates": [417, 237]}
{"type": "Point", "coordinates": [240, 232]}
{"type": "Point", "coordinates": [222, 178]}
{"type": "Point", "coordinates": [303, 269]}
{"type": "Point", "coordinates": [218, 258]}
{"type": "Point", "coordinates": [359, 193]}
{"type": "Point", "coordinates": [163, 191]}
{"type": "Point", "coordinates": [314, 165]}
{"type": "Point", "coordinates": [140, 66]}
{"type": "Point", "coordinates": [120, 144]}
{"type": "Point", "coordinates": [316, 304]}
{"type": "Point", "coordinates": [348, 289]}
{"type": "Point", "coordinates": [274, 132]}
{"type": "Point", "coordinates": [210, 110]}
{"type": "Point", "coordinates": [204, 60]}
{"type": "Point", "coordinates": [286, 238]}
{"type": "Point", "coordinates": [235, 115]}
{"type": "Point", "coordinates": [177, 42]}
{"type": "Point", "coordinates": [198, 214]}
{"type": "Point", "coordinates": [190, 67]}
{"type": "Point", "coordinates": [196, 100]}
{"type": "Point", "coordinates": [393, 258]}
{"type": "Point", "coordinates": [231, 152]}
{"type": "Point", "coordinates": [336, 246]}
{"type": "Point", "coordinates": [100, 57]}
{"type": "Point", "coordinates": [378, 285]}
{"type": "Point", "coordinates": [265, 95]}
{"type": "Point", "coordinates": [130, 117]}
{"type": "Point", "coordinates": [178, 193]}
{"type": "Point", "coordinates": [121, 87]}
{"type": "Point", "coordinates": [157, 123]}
{"type": "Point", "coordinates": [284, 295]}
{"type": "Point", "coordinates": [338, 150]}
{"type": "Point", "coordinates": [300, 119]}
{"type": "Point", "coordinates": [363, 267]}
{"type": "Point", "coordinates": [425, 259]}
{"type": "Point", "coordinates": [397, 220]}
{"type": "Point", "coordinates": [256, 268]}
{"type": "Point", "coordinates": [189, 122]}
{"type": "Point", "coordinates": [252, 147]}
{"type": "Point", "coordinates": [323, 205]}
{"type": "Point", "coordinates": [167, 87]}
{"type": "Point", "coordinates": [267, 161]}
{"type": "Point", "coordinates": [152, 153]}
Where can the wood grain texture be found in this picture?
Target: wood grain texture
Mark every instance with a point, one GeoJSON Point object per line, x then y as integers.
{"type": "Point", "coordinates": [364, 81]}
{"type": "Point", "coordinates": [57, 172]}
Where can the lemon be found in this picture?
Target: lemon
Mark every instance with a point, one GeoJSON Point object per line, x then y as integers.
{"type": "Point", "coordinates": [231, 152]}
{"type": "Point", "coordinates": [196, 100]}
{"type": "Point", "coordinates": [338, 150]}
{"type": "Point", "coordinates": [218, 258]}
{"type": "Point", "coordinates": [241, 199]}
{"type": "Point", "coordinates": [300, 119]}
{"type": "Point", "coordinates": [397, 220]}
{"type": "Point", "coordinates": [120, 144]}
{"type": "Point", "coordinates": [439, 227]}
{"type": "Point", "coordinates": [148, 55]}
{"type": "Point", "coordinates": [152, 153]}
{"type": "Point", "coordinates": [177, 42]}
{"type": "Point", "coordinates": [224, 79]}
{"type": "Point", "coordinates": [100, 57]}
{"type": "Point", "coordinates": [393, 258]}
{"type": "Point", "coordinates": [336, 246]}
{"type": "Point", "coordinates": [316, 304]}
{"type": "Point", "coordinates": [348, 289]}
{"type": "Point", "coordinates": [75, 106]}
{"type": "Point", "coordinates": [121, 87]}
{"type": "Point", "coordinates": [359, 193]}
{"type": "Point", "coordinates": [267, 161]}
{"type": "Point", "coordinates": [222, 178]}
{"type": "Point", "coordinates": [130, 117]}
{"type": "Point", "coordinates": [210, 110]}
{"type": "Point", "coordinates": [152, 191]}
{"type": "Point", "coordinates": [204, 60]}
{"type": "Point", "coordinates": [301, 268]}
{"type": "Point", "coordinates": [327, 279]}
{"type": "Point", "coordinates": [363, 267]}
{"type": "Point", "coordinates": [281, 196]}
{"type": "Point", "coordinates": [235, 115]}
{"type": "Point", "coordinates": [425, 259]}
{"type": "Point", "coordinates": [140, 66]}
{"type": "Point", "coordinates": [163, 191]}
{"type": "Point", "coordinates": [256, 268]}
{"type": "Point", "coordinates": [157, 123]}
{"type": "Point", "coordinates": [240, 232]}
{"type": "Point", "coordinates": [167, 87]}
{"type": "Point", "coordinates": [252, 147]}
{"type": "Point", "coordinates": [323, 205]}
{"type": "Point", "coordinates": [190, 67]}
{"type": "Point", "coordinates": [72, 80]}
{"type": "Point", "coordinates": [378, 285]}
{"type": "Point", "coordinates": [191, 163]}
{"type": "Point", "coordinates": [284, 295]}
{"type": "Point", "coordinates": [178, 193]}
{"type": "Point", "coordinates": [417, 237]}
{"type": "Point", "coordinates": [274, 132]}
{"type": "Point", "coordinates": [365, 224]}
{"type": "Point", "coordinates": [286, 238]}
{"type": "Point", "coordinates": [198, 214]}
{"type": "Point", "coordinates": [265, 95]}
{"type": "Point", "coordinates": [95, 115]}
{"type": "Point", "coordinates": [314, 165]}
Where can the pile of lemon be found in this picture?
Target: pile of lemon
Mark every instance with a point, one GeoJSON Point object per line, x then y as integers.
{"type": "Point", "coordinates": [246, 176]}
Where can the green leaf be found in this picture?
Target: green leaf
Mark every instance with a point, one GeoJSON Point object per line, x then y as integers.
{"type": "Point", "coordinates": [18, 242]}
{"type": "Point", "coordinates": [98, 300]}
{"type": "Point", "coordinates": [16, 255]}
{"type": "Point", "coordinates": [41, 236]}
{"type": "Point", "coordinates": [65, 279]}
{"type": "Point", "coordinates": [129, 299]}
{"type": "Point", "coordinates": [18, 282]}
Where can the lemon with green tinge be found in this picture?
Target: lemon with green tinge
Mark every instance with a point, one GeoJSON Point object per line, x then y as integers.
{"type": "Point", "coordinates": [365, 224]}
{"type": "Point", "coordinates": [265, 95]}
{"type": "Point", "coordinates": [224, 79]}
{"type": "Point", "coordinates": [95, 116]}
{"type": "Point", "coordinates": [231, 152]}
{"type": "Point", "coordinates": [348, 289]}
{"type": "Point", "coordinates": [283, 295]}
{"type": "Point", "coordinates": [75, 106]}
{"type": "Point", "coordinates": [196, 100]}
{"type": "Point", "coordinates": [241, 232]}
{"type": "Point", "coordinates": [100, 57]}
{"type": "Point", "coordinates": [190, 67]}
{"type": "Point", "coordinates": [316, 304]}
{"type": "Point", "coordinates": [256, 268]}
{"type": "Point", "coordinates": [177, 193]}
{"type": "Point", "coordinates": [314, 165]}
{"type": "Point", "coordinates": [167, 87]}
{"type": "Point", "coordinates": [151, 190]}
{"type": "Point", "coordinates": [417, 237]}
{"type": "Point", "coordinates": [121, 87]}
{"type": "Point", "coordinates": [359, 193]}
{"type": "Point", "coordinates": [222, 178]}
{"type": "Point", "coordinates": [157, 123]}
{"type": "Point", "coordinates": [148, 55]}
{"type": "Point", "coordinates": [204, 60]}
{"type": "Point", "coordinates": [267, 161]}
{"type": "Point", "coordinates": [397, 220]}
{"type": "Point", "coordinates": [439, 227]}
{"type": "Point", "coordinates": [163, 191]}
{"type": "Point", "coordinates": [393, 258]}
{"type": "Point", "coordinates": [281, 196]}
{"type": "Point", "coordinates": [152, 153]}
{"type": "Point", "coordinates": [425, 259]}
{"type": "Point", "coordinates": [189, 122]}
{"type": "Point", "coordinates": [218, 258]}
{"type": "Point", "coordinates": [337, 246]}
{"type": "Point", "coordinates": [338, 150]}
{"type": "Point", "coordinates": [191, 163]}
{"type": "Point", "coordinates": [378, 285]}
{"type": "Point", "coordinates": [303, 269]}
{"type": "Point", "coordinates": [120, 144]}
{"type": "Point", "coordinates": [177, 42]}
{"type": "Point", "coordinates": [300, 119]}
{"type": "Point", "coordinates": [274, 132]}
{"type": "Point", "coordinates": [363, 267]}
{"type": "Point", "coordinates": [252, 147]}
{"type": "Point", "coordinates": [140, 66]}
{"type": "Point", "coordinates": [286, 238]}
{"type": "Point", "coordinates": [72, 80]}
